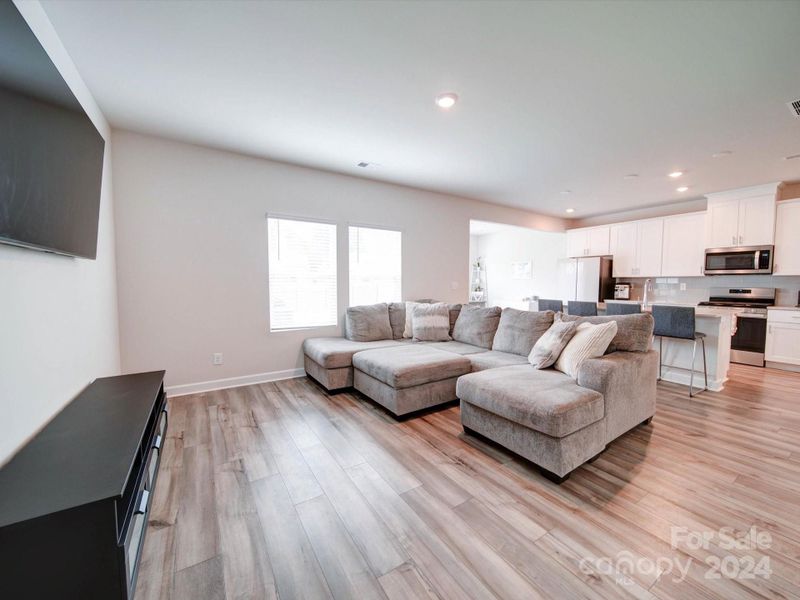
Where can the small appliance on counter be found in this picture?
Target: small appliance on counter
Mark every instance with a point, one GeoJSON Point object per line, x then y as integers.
{"type": "Point", "coordinates": [622, 291]}
{"type": "Point", "coordinates": [749, 338]}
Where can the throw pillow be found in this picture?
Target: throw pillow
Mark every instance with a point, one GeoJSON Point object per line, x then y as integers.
{"type": "Point", "coordinates": [408, 330]}
{"type": "Point", "coordinates": [368, 323]}
{"type": "Point", "coordinates": [477, 326]}
{"type": "Point", "coordinates": [431, 323]}
{"type": "Point", "coordinates": [519, 329]}
{"type": "Point", "coordinates": [397, 318]}
{"type": "Point", "coordinates": [589, 341]}
{"type": "Point", "coordinates": [548, 348]}
{"type": "Point", "coordinates": [634, 332]}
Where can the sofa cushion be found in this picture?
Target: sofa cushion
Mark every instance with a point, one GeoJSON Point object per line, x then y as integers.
{"type": "Point", "coordinates": [544, 400]}
{"type": "Point", "coordinates": [519, 330]}
{"type": "Point", "coordinates": [410, 365]}
{"type": "Point", "coordinates": [397, 319]}
{"type": "Point", "coordinates": [493, 359]}
{"type": "Point", "coordinates": [337, 352]}
{"type": "Point", "coordinates": [589, 341]}
{"type": "Point", "coordinates": [457, 347]}
{"type": "Point", "coordinates": [477, 326]}
{"type": "Point", "coordinates": [634, 332]}
{"type": "Point", "coordinates": [548, 348]}
{"type": "Point", "coordinates": [368, 323]}
{"type": "Point", "coordinates": [431, 323]}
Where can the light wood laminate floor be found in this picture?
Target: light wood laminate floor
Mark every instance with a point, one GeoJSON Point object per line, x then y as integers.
{"type": "Point", "coordinates": [280, 490]}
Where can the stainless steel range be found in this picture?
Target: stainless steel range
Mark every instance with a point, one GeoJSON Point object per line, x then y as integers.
{"type": "Point", "coordinates": [750, 332]}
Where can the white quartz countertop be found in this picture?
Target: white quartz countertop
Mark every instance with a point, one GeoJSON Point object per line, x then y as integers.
{"type": "Point", "coordinates": [794, 308]}
{"type": "Point", "coordinates": [700, 311]}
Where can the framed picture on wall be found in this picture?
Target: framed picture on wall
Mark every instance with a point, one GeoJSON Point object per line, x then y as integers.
{"type": "Point", "coordinates": [522, 270]}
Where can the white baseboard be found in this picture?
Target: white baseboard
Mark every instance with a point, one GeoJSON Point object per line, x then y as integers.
{"type": "Point", "coordinates": [682, 377]}
{"type": "Point", "coordinates": [232, 382]}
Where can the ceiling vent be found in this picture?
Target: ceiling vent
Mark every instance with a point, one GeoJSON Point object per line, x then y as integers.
{"type": "Point", "coordinates": [363, 165]}
{"type": "Point", "coordinates": [794, 106]}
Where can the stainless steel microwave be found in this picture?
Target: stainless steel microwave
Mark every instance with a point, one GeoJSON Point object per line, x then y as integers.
{"type": "Point", "coordinates": [740, 260]}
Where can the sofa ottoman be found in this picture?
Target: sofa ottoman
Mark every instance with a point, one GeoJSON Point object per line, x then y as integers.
{"type": "Point", "coordinates": [408, 378]}
{"type": "Point", "coordinates": [542, 415]}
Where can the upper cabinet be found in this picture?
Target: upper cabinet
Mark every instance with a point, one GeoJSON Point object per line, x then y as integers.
{"type": "Point", "coordinates": [684, 245]}
{"type": "Point", "coordinates": [787, 240]}
{"type": "Point", "coordinates": [636, 247]}
{"type": "Point", "coordinates": [588, 241]}
{"type": "Point", "coordinates": [744, 217]}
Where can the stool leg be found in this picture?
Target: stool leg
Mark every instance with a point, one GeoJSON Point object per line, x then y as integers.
{"type": "Point", "coordinates": [705, 369]}
{"type": "Point", "coordinates": [660, 355]}
{"type": "Point", "coordinates": [691, 377]}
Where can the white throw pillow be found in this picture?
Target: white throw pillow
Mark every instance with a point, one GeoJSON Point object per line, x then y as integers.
{"type": "Point", "coordinates": [589, 341]}
{"type": "Point", "coordinates": [408, 330]}
{"type": "Point", "coordinates": [548, 348]}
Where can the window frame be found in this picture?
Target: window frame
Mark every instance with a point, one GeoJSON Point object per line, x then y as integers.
{"type": "Point", "coordinates": [363, 225]}
{"type": "Point", "coordinates": [303, 219]}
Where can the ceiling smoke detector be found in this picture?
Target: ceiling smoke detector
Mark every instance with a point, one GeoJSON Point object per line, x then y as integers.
{"type": "Point", "coordinates": [794, 106]}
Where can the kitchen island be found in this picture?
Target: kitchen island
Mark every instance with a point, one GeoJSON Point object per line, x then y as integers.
{"type": "Point", "coordinates": [717, 325]}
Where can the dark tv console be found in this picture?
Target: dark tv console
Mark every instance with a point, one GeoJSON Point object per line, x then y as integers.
{"type": "Point", "coordinates": [74, 501]}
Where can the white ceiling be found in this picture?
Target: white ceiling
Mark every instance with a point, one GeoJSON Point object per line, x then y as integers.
{"type": "Point", "coordinates": [554, 95]}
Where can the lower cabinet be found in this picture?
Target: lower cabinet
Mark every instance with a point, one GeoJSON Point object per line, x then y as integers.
{"type": "Point", "coordinates": [783, 337]}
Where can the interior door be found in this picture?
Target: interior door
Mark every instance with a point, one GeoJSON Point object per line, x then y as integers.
{"type": "Point", "coordinates": [723, 224]}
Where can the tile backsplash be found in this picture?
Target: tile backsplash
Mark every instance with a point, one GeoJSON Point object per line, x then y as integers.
{"type": "Point", "coordinates": [697, 289]}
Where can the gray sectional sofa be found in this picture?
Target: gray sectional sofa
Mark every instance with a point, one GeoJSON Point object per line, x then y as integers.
{"type": "Point", "coordinates": [546, 416]}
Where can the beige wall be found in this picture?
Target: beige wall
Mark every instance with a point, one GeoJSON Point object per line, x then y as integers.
{"type": "Point", "coordinates": [192, 251]}
{"type": "Point", "coordinates": [58, 315]}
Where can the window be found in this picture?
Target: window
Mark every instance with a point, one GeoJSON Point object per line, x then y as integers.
{"type": "Point", "coordinates": [375, 265]}
{"type": "Point", "coordinates": [302, 274]}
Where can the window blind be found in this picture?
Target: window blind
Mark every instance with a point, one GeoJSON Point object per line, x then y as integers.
{"type": "Point", "coordinates": [302, 274]}
{"type": "Point", "coordinates": [375, 265]}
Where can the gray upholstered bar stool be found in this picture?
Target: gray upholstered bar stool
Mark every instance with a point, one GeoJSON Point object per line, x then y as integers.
{"type": "Point", "coordinates": [678, 323]}
{"type": "Point", "coordinates": [554, 305]}
{"type": "Point", "coordinates": [623, 308]}
{"type": "Point", "coordinates": [582, 309]}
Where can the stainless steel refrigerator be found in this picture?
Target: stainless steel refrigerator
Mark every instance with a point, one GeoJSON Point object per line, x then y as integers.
{"type": "Point", "coordinates": [586, 279]}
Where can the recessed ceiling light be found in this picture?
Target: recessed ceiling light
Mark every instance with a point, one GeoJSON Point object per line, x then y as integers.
{"type": "Point", "coordinates": [721, 154]}
{"type": "Point", "coordinates": [791, 157]}
{"type": "Point", "coordinates": [683, 188]}
{"type": "Point", "coordinates": [566, 192]}
{"type": "Point", "coordinates": [570, 210]}
{"type": "Point", "coordinates": [631, 176]}
{"type": "Point", "coordinates": [447, 100]}
{"type": "Point", "coordinates": [676, 174]}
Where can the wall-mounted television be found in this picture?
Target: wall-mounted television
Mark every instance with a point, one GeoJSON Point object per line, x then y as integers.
{"type": "Point", "coordinates": [51, 154]}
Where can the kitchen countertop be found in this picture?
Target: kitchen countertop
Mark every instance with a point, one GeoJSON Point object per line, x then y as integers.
{"type": "Point", "coordinates": [701, 311]}
{"type": "Point", "coordinates": [783, 308]}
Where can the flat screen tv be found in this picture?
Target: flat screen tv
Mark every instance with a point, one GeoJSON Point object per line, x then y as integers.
{"type": "Point", "coordinates": [51, 154]}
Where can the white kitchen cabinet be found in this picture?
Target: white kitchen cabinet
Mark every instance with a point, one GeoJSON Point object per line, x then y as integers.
{"type": "Point", "coordinates": [587, 241]}
{"type": "Point", "coordinates": [683, 251]}
{"type": "Point", "coordinates": [783, 337]}
{"type": "Point", "coordinates": [787, 240]}
{"type": "Point", "coordinates": [744, 217]}
{"type": "Point", "coordinates": [623, 249]}
{"type": "Point", "coordinates": [636, 247]}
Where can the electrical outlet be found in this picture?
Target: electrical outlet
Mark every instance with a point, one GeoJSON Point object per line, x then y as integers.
{"type": "Point", "coordinates": [683, 287]}
{"type": "Point", "coordinates": [453, 285]}
{"type": "Point", "coordinates": [216, 358]}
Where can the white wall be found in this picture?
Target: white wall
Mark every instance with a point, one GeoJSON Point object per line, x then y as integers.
{"type": "Point", "coordinates": [192, 251]}
{"type": "Point", "coordinates": [58, 315]}
{"type": "Point", "coordinates": [515, 244]}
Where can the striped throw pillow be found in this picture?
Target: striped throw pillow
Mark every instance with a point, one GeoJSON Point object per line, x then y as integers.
{"type": "Point", "coordinates": [431, 323]}
{"type": "Point", "coordinates": [589, 341]}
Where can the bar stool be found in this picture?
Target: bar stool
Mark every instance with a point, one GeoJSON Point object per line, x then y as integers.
{"type": "Point", "coordinates": [678, 323]}
{"type": "Point", "coordinates": [554, 305]}
{"type": "Point", "coordinates": [582, 309]}
{"type": "Point", "coordinates": [623, 308]}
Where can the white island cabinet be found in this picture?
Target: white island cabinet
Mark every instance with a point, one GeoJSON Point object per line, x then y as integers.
{"type": "Point", "coordinates": [783, 337]}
